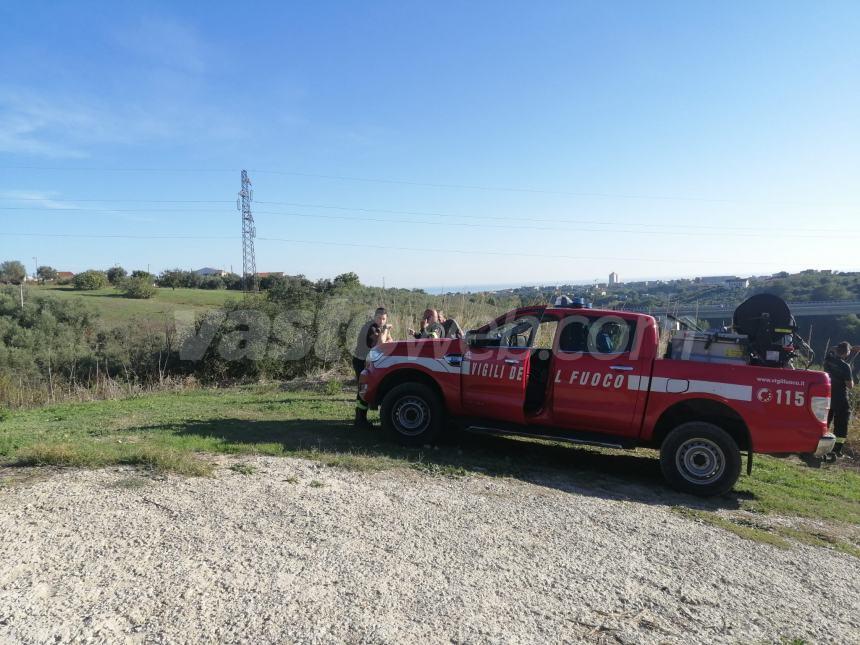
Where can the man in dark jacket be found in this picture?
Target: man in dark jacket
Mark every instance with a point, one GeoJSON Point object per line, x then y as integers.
{"type": "Point", "coordinates": [374, 332]}
{"type": "Point", "coordinates": [452, 327]}
{"type": "Point", "coordinates": [841, 383]}
{"type": "Point", "coordinates": [430, 327]}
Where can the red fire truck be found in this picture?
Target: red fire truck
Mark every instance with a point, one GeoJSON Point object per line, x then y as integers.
{"type": "Point", "coordinates": [567, 372]}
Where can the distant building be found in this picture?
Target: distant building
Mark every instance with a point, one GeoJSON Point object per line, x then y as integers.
{"type": "Point", "coordinates": [65, 275]}
{"type": "Point", "coordinates": [727, 281]}
{"type": "Point", "coordinates": [207, 271]}
{"type": "Point", "coordinates": [613, 279]}
{"type": "Point", "coordinates": [270, 274]}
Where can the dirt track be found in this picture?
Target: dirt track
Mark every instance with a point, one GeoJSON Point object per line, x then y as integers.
{"type": "Point", "coordinates": [299, 552]}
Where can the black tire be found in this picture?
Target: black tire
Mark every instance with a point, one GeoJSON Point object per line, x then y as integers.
{"type": "Point", "coordinates": [700, 458]}
{"type": "Point", "coordinates": [412, 414]}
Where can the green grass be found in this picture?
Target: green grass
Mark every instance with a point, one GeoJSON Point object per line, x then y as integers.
{"type": "Point", "coordinates": [243, 469]}
{"type": "Point", "coordinates": [116, 310]}
{"type": "Point", "coordinates": [780, 486]}
{"type": "Point", "coordinates": [173, 432]}
{"type": "Point", "coordinates": [746, 531]}
{"type": "Point", "coordinates": [819, 538]}
{"type": "Point", "coordinates": [778, 535]}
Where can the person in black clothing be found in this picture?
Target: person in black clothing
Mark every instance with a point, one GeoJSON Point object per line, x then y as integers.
{"type": "Point", "coordinates": [430, 327]}
{"type": "Point", "coordinates": [452, 327]}
{"type": "Point", "coordinates": [374, 332]}
{"type": "Point", "coordinates": [841, 382]}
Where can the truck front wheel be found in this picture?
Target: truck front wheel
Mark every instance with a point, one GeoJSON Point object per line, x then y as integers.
{"type": "Point", "coordinates": [412, 414]}
{"type": "Point", "coordinates": [700, 458]}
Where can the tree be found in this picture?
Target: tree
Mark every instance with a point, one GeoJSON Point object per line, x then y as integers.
{"type": "Point", "coordinates": [174, 278]}
{"type": "Point", "coordinates": [830, 291]}
{"type": "Point", "coordinates": [140, 288]}
{"type": "Point", "coordinates": [211, 282]}
{"type": "Point", "coordinates": [116, 275]}
{"type": "Point", "coordinates": [137, 273]}
{"type": "Point", "coordinates": [232, 281]}
{"type": "Point", "coordinates": [90, 280]}
{"type": "Point", "coordinates": [347, 280]}
{"type": "Point", "coordinates": [46, 273]}
{"type": "Point", "coordinates": [269, 281]}
{"type": "Point", "coordinates": [12, 272]}
{"type": "Point", "coordinates": [170, 278]}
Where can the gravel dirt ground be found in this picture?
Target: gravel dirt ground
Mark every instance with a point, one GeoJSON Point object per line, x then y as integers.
{"type": "Point", "coordinates": [292, 551]}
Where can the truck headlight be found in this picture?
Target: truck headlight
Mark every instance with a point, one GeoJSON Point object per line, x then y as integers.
{"type": "Point", "coordinates": [819, 406]}
{"type": "Point", "coordinates": [374, 355]}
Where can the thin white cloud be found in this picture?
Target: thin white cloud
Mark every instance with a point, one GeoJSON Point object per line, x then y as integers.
{"type": "Point", "coordinates": [48, 200]}
{"type": "Point", "coordinates": [63, 126]}
{"type": "Point", "coordinates": [66, 126]}
{"type": "Point", "coordinates": [36, 199]}
{"type": "Point", "coordinates": [161, 94]}
{"type": "Point", "coordinates": [22, 130]}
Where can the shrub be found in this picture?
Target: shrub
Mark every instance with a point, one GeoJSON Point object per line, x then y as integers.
{"type": "Point", "coordinates": [232, 281]}
{"type": "Point", "coordinates": [139, 288]}
{"type": "Point", "coordinates": [178, 278]}
{"type": "Point", "coordinates": [211, 282]}
{"type": "Point", "coordinates": [332, 387]}
{"type": "Point", "coordinates": [46, 273]}
{"type": "Point", "coordinates": [116, 275]}
{"type": "Point", "coordinates": [12, 272]}
{"type": "Point", "coordinates": [90, 280]}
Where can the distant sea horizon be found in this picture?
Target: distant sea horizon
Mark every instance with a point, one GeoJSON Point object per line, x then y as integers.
{"type": "Point", "coordinates": [473, 288]}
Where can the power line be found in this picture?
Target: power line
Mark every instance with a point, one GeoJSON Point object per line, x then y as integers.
{"type": "Point", "coordinates": [74, 209]}
{"type": "Point", "coordinates": [720, 227]}
{"type": "Point", "coordinates": [498, 253]}
{"type": "Point", "coordinates": [120, 201]}
{"type": "Point", "coordinates": [98, 236]}
{"type": "Point", "coordinates": [608, 226]}
{"type": "Point", "coordinates": [362, 209]}
{"type": "Point", "coordinates": [477, 187]}
{"type": "Point", "coordinates": [379, 246]}
{"type": "Point", "coordinates": [114, 169]}
{"type": "Point", "coordinates": [541, 191]}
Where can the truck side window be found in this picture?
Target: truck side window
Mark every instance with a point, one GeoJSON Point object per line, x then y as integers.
{"type": "Point", "coordinates": [516, 333]}
{"type": "Point", "coordinates": [574, 336]}
{"type": "Point", "coordinates": [611, 338]}
{"type": "Point", "coordinates": [545, 334]}
{"type": "Point", "coordinates": [607, 335]}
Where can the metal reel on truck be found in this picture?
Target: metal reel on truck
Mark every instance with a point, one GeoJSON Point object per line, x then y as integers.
{"type": "Point", "coordinates": [772, 331]}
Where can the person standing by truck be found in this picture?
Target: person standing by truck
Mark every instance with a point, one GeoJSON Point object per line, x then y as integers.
{"type": "Point", "coordinates": [374, 332]}
{"type": "Point", "coordinates": [430, 327]}
{"type": "Point", "coordinates": [452, 327]}
{"type": "Point", "coordinates": [841, 382]}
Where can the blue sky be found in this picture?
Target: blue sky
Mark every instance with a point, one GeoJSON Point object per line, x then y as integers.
{"type": "Point", "coordinates": [436, 144]}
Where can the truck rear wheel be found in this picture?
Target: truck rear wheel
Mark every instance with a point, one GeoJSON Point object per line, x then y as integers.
{"type": "Point", "coordinates": [412, 414]}
{"type": "Point", "coordinates": [700, 458]}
